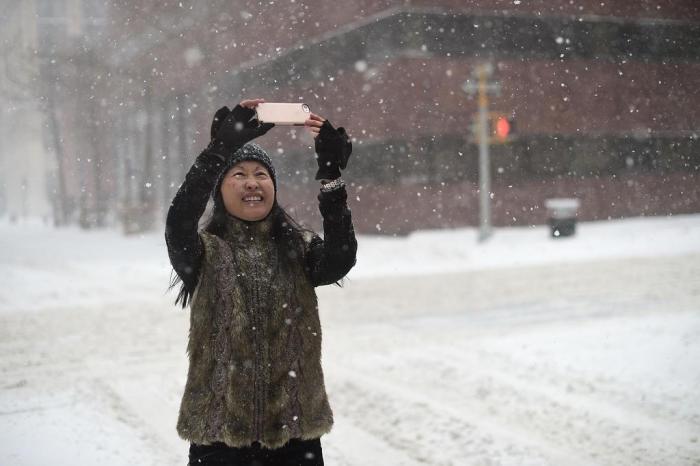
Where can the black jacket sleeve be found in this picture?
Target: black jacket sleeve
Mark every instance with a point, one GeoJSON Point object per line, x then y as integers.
{"type": "Point", "coordinates": [331, 258]}
{"type": "Point", "coordinates": [184, 245]}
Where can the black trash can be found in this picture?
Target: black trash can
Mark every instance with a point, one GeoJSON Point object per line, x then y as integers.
{"type": "Point", "coordinates": [562, 216]}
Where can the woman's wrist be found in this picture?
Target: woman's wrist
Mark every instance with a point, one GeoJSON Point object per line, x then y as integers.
{"type": "Point", "coordinates": [331, 185]}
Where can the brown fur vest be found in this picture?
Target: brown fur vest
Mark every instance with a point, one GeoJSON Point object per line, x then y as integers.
{"type": "Point", "coordinates": [254, 346]}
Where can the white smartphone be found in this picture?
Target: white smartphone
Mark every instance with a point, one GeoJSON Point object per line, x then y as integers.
{"type": "Point", "coordinates": [290, 114]}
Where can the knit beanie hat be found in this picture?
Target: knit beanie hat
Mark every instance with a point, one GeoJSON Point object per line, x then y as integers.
{"type": "Point", "coordinates": [249, 152]}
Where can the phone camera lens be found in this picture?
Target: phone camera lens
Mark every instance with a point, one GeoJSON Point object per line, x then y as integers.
{"type": "Point", "coordinates": [305, 108]}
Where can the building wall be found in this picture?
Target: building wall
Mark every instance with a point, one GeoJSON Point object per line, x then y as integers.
{"type": "Point", "coordinates": [599, 90]}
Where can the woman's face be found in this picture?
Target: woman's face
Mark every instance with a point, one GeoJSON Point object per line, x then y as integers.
{"type": "Point", "coordinates": [248, 191]}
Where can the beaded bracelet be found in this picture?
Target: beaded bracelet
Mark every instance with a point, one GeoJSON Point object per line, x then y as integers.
{"type": "Point", "coordinates": [332, 185]}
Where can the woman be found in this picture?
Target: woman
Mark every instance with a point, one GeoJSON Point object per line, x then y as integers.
{"type": "Point", "coordinates": [255, 392]}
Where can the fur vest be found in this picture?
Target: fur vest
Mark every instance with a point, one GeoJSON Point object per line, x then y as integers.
{"type": "Point", "coordinates": [254, 346]}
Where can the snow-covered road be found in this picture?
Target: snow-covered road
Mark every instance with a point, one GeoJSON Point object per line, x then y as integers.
{"type": "Point", "coordinates": [584, 364]}
{"type": "Point", "coordinates": [546, 363]}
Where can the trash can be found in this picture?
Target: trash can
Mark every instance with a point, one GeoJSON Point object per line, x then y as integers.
{"type": "Point", "coordinates": [562, 216]}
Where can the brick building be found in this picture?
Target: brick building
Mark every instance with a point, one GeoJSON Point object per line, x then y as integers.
{"type": "Point", "coordinates": [604, 94]}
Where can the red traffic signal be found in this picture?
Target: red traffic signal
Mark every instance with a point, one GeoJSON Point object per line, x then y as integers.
{"type": "Point", "coordinates": [502, 126]}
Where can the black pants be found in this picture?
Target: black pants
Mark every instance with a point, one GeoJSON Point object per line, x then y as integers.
{"type": "Point", "coordinates": [296, 452]}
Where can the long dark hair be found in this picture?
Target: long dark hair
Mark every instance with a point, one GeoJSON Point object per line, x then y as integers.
{"type": "Point", "coordinates": [286, 233]}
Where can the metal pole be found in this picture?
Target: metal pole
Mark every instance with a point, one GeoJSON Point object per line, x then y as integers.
{"type": "Point", "coordinates": [484, 166]}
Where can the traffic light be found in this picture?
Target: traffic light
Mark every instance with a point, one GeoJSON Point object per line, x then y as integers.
{"type": "Point", "coordinates": [502, 127]}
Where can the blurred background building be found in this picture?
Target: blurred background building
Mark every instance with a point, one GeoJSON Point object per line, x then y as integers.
{"type": "Point", "coordinates": [43, 154]}
{"type": "Point", "coordinates": [604, 97]}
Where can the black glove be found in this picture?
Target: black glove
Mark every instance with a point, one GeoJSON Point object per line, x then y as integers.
{"type": "Point", "coordinates": [333, 149]}
{"type": "Point", "coordinates": [231, 129]}
{"type": "Point", "coordinates": [219, 118]}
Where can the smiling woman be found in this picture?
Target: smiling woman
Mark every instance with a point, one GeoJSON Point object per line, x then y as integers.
{"type": "Point", "coordinates": [255, 390]}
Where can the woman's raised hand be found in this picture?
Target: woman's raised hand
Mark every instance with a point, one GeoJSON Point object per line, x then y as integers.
{"type": "Point", "coordinates": [314, 123]}
{"type": "Point", "coordinates": [251, 103]}
{"type": "Point", "coordinates": [231, 129]}
{"type": "Point", "coordinates": [333, 147]}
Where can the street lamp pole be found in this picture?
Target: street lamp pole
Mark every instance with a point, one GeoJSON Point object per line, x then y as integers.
{"type": "Point", "coordinates": [482, 87]}
{"type": "Point", "coordinates": [483, 73]}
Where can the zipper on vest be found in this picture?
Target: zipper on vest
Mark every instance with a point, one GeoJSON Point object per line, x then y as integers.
{"type": "Point", "coordinates": [258, 382]}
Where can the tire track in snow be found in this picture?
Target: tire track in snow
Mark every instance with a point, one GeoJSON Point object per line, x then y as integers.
{"type": "Point", "coordinates": [58, 370]}
{"type": "Point", "coordinates": [359, 447]}
{"type": "Point", "coordinates": [124, 411]}
{"type": "Point", "coordinates": [465, 338]}
{"type": "Point", "coordinates": [602, 394]}
{"type": "Point", "coordinates": [433, 431]}
{"type": "Point", "coordinates": [576, 423]}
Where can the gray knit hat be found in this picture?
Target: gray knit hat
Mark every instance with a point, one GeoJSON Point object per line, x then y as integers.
{"type": "Point", "coordinates": [250, 151]}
